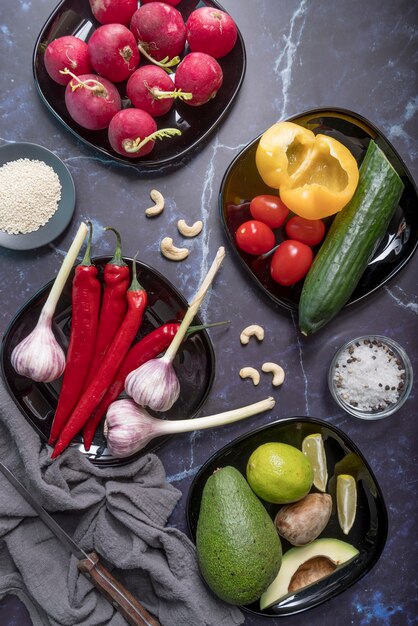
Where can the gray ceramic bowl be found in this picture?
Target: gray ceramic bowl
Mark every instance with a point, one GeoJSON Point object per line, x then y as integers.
{"type": "Point", "coordinates": [60, 220]}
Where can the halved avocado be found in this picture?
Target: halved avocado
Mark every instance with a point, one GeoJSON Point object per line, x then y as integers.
{"type": "Point", "coordinates": [335, 551]}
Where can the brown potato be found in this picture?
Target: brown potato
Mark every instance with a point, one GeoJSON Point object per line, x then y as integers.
{"type": "Point", "coordinates": [303, 521]}
{"type": "Point", "coordinates": [309, 572]}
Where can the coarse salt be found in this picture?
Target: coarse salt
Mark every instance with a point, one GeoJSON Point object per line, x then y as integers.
{"type": "Point", "coordinates": [369, 375]}
{"type": "Point", "coordinates": [30, 191]}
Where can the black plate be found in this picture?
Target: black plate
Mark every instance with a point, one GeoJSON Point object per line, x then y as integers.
{"type": "Point", "coordinates": [195, 361]}
{"type": "Point", "coordinates": [241, 182]}
{"type": "Point", "coordinates": [61, 218]}
{"type": "Point", "coordinates": [74, 17]}
{"type": "Point", "coordinates": [370, 528]}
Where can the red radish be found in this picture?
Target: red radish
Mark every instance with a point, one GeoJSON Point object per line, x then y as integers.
{"type": "Point", "coordinates": [113, 11]}
{"type": "Point", "coordinates": [160, 32]}
{"type": "Point", "coordinates": [113, 52]}
{"type": "Point", "coordinates": [92, 101]}
{"type": "Point", "coordinates": [199, 74]}
{"type": "Point", "coordinates": [152, 90]}
{"type": "Point", "coordinates": [172, 2]}
{"type": "Point", "coordinates": [133, 132]}
{"type": "Point", "coordinates": [212, 31]}
{"type": "Point", "coordinates": [66, 52]}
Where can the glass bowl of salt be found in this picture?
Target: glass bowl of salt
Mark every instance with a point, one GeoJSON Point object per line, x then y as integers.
{"type": "Point", "coordinates": [370, 377]}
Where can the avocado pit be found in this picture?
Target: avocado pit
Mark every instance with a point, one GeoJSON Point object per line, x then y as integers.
{"type": "Point", "coordinates": [310, 572]}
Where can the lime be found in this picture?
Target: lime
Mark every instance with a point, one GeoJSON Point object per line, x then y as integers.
{"type": "Point", "coordinates": [313, 447]}
{"type": "Point", "coordinates": [346, 501]}
{"type": "Point", "coordinates": [279, 473]}
{"type": "Point", "coordinates": [353, 465]}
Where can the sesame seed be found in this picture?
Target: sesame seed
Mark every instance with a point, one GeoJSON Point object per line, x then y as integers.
{"type": "Point", "coordinates": [30, 191]}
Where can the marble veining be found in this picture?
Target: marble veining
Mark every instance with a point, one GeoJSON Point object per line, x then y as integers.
{"type": "Point", "coordinates": [378, 611]}
{"type": "Point", "coordinates": [207, 201]}
{"type": "Point", "coordinates": [284, 62]}
{"type": "Point", "coordinates": [403, 300]}
{"type": "Point", "coordinates": [399, 130]}
{"type": "Point", "coordinates": [302, 369]}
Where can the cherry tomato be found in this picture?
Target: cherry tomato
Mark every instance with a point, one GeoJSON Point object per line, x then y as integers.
{"type": "Point", "coordinates": [290, 262]}
{"type": "Point", "coordinates": [255, 237]}
{"type": "Point", "coordinates": [310, 232]}
{"type": "Point", "coordinates": [269, 209]}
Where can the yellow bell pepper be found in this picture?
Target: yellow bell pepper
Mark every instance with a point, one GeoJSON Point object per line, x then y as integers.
{"type": "Point", "coordinates": [315, 174]}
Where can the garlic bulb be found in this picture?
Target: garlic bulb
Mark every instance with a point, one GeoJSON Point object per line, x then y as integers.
{"type": "Point", "coordinates": [129, 428]}
{"type": "Point", "coordinates": [39, 356]}
{"type": "Point", "coordinates": [155, 383]}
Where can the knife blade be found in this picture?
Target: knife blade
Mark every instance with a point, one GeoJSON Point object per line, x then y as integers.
{"type": "Point", "coordinates": [88, 564]}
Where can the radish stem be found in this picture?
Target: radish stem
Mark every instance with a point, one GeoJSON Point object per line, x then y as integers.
{"type": "Point", "coordinates": [97, 85]}
{"type": "Point", "coordinates": [135, 145]}
{"type": "Point", "coordinates": [176, 93]}
{"type": "Point", "coordinates": [165, 63]}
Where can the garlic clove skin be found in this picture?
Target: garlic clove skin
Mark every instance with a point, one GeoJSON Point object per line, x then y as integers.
{"type": "Point", "coordinates": [154, 384]}
{"type": "Point", "coordinates": [39, 356]}
{"type": "Point", "coordinates": [128, 428]}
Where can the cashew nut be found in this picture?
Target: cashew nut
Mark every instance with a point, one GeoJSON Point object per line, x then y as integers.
{"type": "Point", "coordinates": [248, 332]}
{"type": "Point", "coordinates": [170, 251]}
{"type": "Point", "coordinates": [189, 231]}
{"type": "Point", "coordinates": [276, 370]}
{"type": "Point", "coordinates": [158, 206]}
{"type": "Point", "coordinates": [250, 372]}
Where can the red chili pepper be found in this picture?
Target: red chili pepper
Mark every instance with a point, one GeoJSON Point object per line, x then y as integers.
{"type": "Point", "coordinates": [137, 302]}
{"type": "Point", "coordinates": [85, 297]}
{"type": "Point", "coordinates": [147, 348]}
{"type": "Point", "coordinates": [116, 281]}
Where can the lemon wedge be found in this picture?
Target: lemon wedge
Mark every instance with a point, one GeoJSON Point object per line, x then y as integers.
{"type": "Point", "coordinates": [346, 501]}
{"type": "Point", "coordinates": [313, 448]}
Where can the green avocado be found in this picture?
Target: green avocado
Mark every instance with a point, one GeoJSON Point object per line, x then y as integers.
{"type": "Point", "coordinates": [238, 547]}
{"type": "Point", "coordinates": [334, 550]}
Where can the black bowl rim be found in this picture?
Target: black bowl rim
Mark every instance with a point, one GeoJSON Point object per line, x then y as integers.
{"type": "Point", "coordinates": [149, 164]}
{"type": "Point", "coordinates": [315, 111]}
{"type": "Point", "coordinates": [353, 447]}
{"type": "Point", "coordinates": [160, 440]}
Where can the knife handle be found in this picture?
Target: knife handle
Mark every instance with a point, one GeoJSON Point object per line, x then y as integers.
{"type": "Point", "coordinates": [123, 601]}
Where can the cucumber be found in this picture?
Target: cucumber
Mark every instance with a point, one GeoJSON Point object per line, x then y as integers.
{"type": "Point", "coordinates": [350, 242]}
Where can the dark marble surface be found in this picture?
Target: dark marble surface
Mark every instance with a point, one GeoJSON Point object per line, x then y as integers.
{"type": "Point", "coordinates": [356, 55]}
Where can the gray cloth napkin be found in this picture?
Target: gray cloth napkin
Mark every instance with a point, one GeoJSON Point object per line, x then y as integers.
{"type": "Point", "coordinates": [119, 512]}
